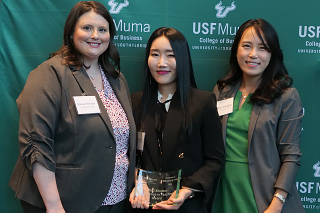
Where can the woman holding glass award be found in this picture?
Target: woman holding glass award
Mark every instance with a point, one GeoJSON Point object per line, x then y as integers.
{"type": "Point", "coordinates": [179, 126]}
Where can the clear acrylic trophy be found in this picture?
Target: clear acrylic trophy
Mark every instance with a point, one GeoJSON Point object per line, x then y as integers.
{"type": "Point", "coordinates": [157, 186]}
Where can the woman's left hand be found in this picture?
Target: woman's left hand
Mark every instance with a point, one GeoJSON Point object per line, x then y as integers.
{"type": "Point", "coordinates": [174, 203]}
{"type": "Point", "coordinates": [276, 205]}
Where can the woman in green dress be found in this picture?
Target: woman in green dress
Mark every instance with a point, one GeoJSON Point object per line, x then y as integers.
{"type": "Point", "coordinates": [261, 117]}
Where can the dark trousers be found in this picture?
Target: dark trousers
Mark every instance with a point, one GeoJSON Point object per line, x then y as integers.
{"type": "Point", "coordinates": [120, 207]}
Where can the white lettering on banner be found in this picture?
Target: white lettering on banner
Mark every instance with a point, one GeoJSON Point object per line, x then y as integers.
{"type": "Point", "coordinates": [128, 38]}
{"type": "Point", "coordinates": [309, 31]}
{"type": "Point", "coordinates": [308, 187]}
{"type": "Point", "coordinates": [310, 51]}
{"type": "Point", "coordinates": [206, 28]}
{"type": "Point", "coordinates": [208, 40]}
{"type": "Point", "coordinates": [310, 191]}
{"type": "Point", "coordinates": [131, 45]}
{"type": "Point", "coordinates": [312, 44]}
{"type": "Point", "coordinates": [131, 27]}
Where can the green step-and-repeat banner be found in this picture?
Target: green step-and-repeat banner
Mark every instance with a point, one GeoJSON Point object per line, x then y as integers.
{"type": "Point", "coordinates": [30, 30]}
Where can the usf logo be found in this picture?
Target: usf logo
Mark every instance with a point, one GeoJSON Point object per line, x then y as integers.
{"type": "Point", "coordinates": [222, 11]}
{"type": "Point", "coordinates": [316, 168]}
{"type": "Point", "coordinates": [117, 5]}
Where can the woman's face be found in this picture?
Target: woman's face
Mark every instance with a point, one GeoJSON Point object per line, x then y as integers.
{"type": "Point", "coordinates": [252, 56]}
{"type": "Point", "coordinates": [91, 36]}
{"type": "Point", "coordinates": [162, 63]}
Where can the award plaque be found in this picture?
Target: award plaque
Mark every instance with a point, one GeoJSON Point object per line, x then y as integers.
{"type": "Point", "coordinates": [157, 186]}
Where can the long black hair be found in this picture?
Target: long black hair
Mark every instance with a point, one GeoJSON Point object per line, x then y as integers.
{"type": "Point", "coordinates": [109, 60]}
{"type": "Point", "coordinates": [185, 78]}
{"type": "Point", "coordinates": [275, 78]}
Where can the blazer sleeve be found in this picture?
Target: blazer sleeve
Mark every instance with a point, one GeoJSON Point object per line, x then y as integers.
{"type": "Point", "coordinates": [288, 139]}
{"type": "Point", "coordinates": [39, 106]}
{"type": "Point", "coordinates": [208, 175]}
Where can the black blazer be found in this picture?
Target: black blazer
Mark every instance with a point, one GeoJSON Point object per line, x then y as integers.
{"type": "Point", "coordinates": [199, 154]}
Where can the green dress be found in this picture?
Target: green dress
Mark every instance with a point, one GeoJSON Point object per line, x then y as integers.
{"type": "Point", "coordinates": [235, 192]}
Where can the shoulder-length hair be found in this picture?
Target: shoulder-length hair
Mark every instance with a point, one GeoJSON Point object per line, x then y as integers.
{"type": "Point", "coordinates": [109, 60]}
{"type": "Point", "coordinates": [185, 78]}
{"type": "Point", "coordinates": [275, 79]}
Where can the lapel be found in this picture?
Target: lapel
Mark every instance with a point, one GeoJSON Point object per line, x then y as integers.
{"type": "Point", "coordinates": [88, 89]}
{"type": "Point", "coordinates": [120, 89]}
{"type": "Point", "coordinates": [172, 130]}
{"type": "Point", "coordinates": [151, 146]}
{"type": "Point", "coordinates": [171, 133]}
{"type": "Point", "coordinates": [231, 92]}
{"type": "Point", "coordinates": [252, 123]}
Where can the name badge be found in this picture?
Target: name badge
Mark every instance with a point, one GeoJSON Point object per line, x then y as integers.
{"type": "Point", "coordinates": [86, 105]}
{"type": "Point", "coordinates": [140, 140]}
{"type": "Point", "coordinates": [225, 106]}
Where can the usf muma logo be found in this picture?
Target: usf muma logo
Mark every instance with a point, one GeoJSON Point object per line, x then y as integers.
{"type": "Point", "coordinates": [117, 5]}
{"type": "Point", "coordinates": [222, 11]}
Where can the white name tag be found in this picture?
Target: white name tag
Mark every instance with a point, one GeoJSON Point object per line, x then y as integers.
{"type": "Point", "coordinates": [86, 105]}
{"type": "Point", "coordinates": [225, 106]}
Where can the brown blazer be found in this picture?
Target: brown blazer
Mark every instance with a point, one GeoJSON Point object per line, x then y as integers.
{"type": "Point", "coordinates": [274, 147]}
{"type": "Point", "coordinates": [80, 149]}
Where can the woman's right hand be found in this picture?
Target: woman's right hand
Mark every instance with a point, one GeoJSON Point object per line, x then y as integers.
{"type": "Point", "coordinates": [140, 196]}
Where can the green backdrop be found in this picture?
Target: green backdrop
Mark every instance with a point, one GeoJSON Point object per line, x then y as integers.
{"type": "Point", "coordinates": [30, 30]}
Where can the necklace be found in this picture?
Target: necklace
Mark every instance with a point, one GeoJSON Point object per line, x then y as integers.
{"type": "Point", "coordinates": [244, 96]}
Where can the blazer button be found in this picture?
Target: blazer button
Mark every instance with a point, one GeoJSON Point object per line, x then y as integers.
{"type": "Point", "coordinates": [110, 147]}
{"type": "Point", "coordinates": [181, 155]}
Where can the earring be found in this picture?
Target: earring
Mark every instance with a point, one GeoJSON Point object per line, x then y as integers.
{"type": "Point", "coordinates": [150, 80]}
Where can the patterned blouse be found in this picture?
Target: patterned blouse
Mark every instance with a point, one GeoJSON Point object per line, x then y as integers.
{"type": "Point", "coordinates": [120, 124]}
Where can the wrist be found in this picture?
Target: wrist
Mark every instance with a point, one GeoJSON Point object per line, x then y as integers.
{"type": "Point", "coordinates": [280, 197]}
{"type": "Point", "coordinates": [192, 194]}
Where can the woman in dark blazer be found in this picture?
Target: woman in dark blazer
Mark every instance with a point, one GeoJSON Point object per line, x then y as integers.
{"type": "Point", "coordinates": [180, 122]}
{"type": "Point", "coordinates": [262, 129]}
{"type": "Point", "coordinates": [76, 128]}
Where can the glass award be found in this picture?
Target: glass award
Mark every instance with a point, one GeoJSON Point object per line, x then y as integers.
{"type": "Point", "coordinates": [157, 186]}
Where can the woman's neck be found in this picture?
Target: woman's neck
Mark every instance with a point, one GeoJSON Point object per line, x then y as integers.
{"type": "Point", "coordinates": [249, 85]}
{"type": "Point", "coordinates": [90, 63]}
{"type": "Point", "coordinates": [94, 74]}
{"type": "Point", "coordinates": [165, 90]}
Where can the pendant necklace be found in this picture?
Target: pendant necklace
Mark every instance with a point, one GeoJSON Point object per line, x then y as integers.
{"type": "Point", "coordinates": [245, 96]}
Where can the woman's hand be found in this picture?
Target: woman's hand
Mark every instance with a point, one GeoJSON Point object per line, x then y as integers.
{"type": "Point", "coordinates": [46, 182]}
{"type": "Point", "coordinates": [140, 196]}
{"type": "Point", "coordinates": [276, 205]}
{"type": "Point", "coordinates": [174, 203]}
{"type": "Point", "coordinates": [56, 210]}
